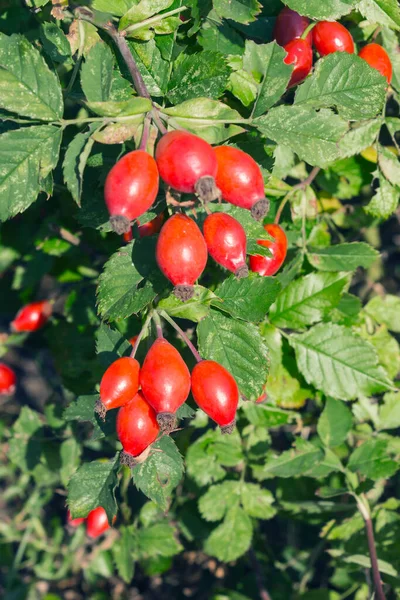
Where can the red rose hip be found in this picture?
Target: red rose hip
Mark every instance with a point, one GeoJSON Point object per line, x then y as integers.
{"type": "Point", "coordinates": [299, 54]}
{"type": "Point", "coordinates": [240, 180]}
{"type": "Point", "coordinates": [32, 316]}
{"type": "Point", "coordinates": [97, 522]}
{"type": "Point", "coordinates": [130, 189]}
{"type": "Point", "coordinates": [269, 265]}
{"type": "Point", "coordinates": [165, 382]}
{"type": "Point", "coordinates": [8, 380]}
{"type": "Point", "coordinates": [188, 164]}
{"type": "Point", "coordinates": [216, 392]}
{"type": "Point", "coordinates": [378, 58]}
{"type": "Point", "coordinates": [226, 242]}
{"type": "Point", "coordinates": [118, 385]}
{"type": "Point", "coordinates": [152, 227]}
{"type": "Point", "coordinates": [181, 254]}
{"type": "Point", "coordinates": [137, 428]}
{"type": "Point", "coordinates": [330, 36]}
{"type": "Point", "coordinates": [74, 522]}
{"type": "Point", "coordinates": [289, 25]}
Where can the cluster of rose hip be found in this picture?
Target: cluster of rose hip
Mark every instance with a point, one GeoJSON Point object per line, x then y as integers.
{"type": "Point", "coordinates": [297, 36]}
{"type": "Point", "coordinates": [188, 164]}
{"type": "Point", "coordinates": [30, 318]}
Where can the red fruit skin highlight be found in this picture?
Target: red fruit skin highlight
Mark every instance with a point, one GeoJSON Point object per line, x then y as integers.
{"type": "Point", "coordinates": [269, 265]}
{"type": "Point", "coordinates": [216, 392]}
{"type": "Point", "coordinates": [32, 316]}
{"type": "Point", "coordinates": [378, 58]}
{"type": "Point", "coordinates": [299, 54]}
{"type": "Point", "coordinates": [131, 188]}
{"type": "Point", "coordinates": [289, 25]}
{"type": "Point", "coordinates": [8, 380]}
{"type": "Point", "coordinates": [183, 159]}
{"type": "Point", "coordinates": [226, 242]}
{"type": "Point", "coordinates": [97, 522]}
{"type": "Point", "coordinates": [119, 383]}
{"type": "Point", "coordinates": [330, 36]}
{"type": "Point", "coordinates": [74, 522]}
{"type": "Point", "coordinates": [137, 428]}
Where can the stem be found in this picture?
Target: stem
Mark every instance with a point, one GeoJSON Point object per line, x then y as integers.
{"type": "Point", "coordinates": [146, 132]}
{"type": "Point", "coordinates": [142, 331]}
{"type": "Point", "coordinates": [78, 60]}
{"type": "Point", "coordinates": [299, 186]}
{"type": "Point", "coordinates": [281, 207]}
{"type": "Point", "coordinates": [152, 20]}
{"type": "Point", "coordinates": [307, 31]}
{"type": "Point", "coordinates": [183, 335]}
{"type": "Point", "coordinates": [157, 321]}
{"type": "Point", "coordinates": [363, 507]}
{"type": "Point", "coordinates": [264, 595]}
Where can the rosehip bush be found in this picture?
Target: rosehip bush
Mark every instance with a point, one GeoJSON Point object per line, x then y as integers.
{"type": "Point", "coordinates": [200, 315]}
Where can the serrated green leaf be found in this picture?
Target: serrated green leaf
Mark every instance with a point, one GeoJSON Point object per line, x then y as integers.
{"type": "Point", "coordinates": [345, 82]}
{"type": "Point", "coordinates": [158, 540]}
{"type": "Point", "coordinates": [257, 502]}
{"type": "Point", "coordinates": [27, 157]}
{"type": "Point", "coordinates": [55, 43]}
{"type": "Point", "coordinates": [203, 109]}
{"type": "Point", "coordinates": [285, 390]}
{"type": "Point", "coordinates": [361, 136]}
{"type": "Point", "coordinates": [70, 452]}
{"type": "Point", "coordinates": [160, 473]}
{"type": "Point", "coordinates": [93, 485]}
{"type": "Point", "coordinates": [385, 200]}
{"type": "Point", "coordinates": [27, 86]}
{"type": "Point", "coordinates": [143, 10]}
{"type": "Point", "coordinates": [343, 257]}
{"type": "Point", "coordinates": [371, 459]}
{"type": "Point", "coordinates": [338, 362]}
{"type": "Point", "coordinates": [218, 499]}
{"type": "Point", "coordinates": [195, 309]}
{"type": "Point", "coordinates": [116, 7]}
{"type": "Point", "coordinates": [24, 450]}
{"type": "Point", "coordinates": [308, 299]}
{"type": "Point", "coordinates": [322, 10]}
{"type": "Point", "coordinates": [123, 551]}
{"type": "Point", "coordinates": [153, 68]}
{"type": "Point", "coordinates": [263, 415]}
{"type": "Point", "coordinates": [217, 35]}
{"type": "Point", "coordinates": [266, 61]}
{"type": "Point", "coordinates": [389, 165]}
{"type": "Point", "coordinates": [204, 74]}
{"type": "Point", "coordinates": [389, 412]}
{"type": "Point", "coordinates": [388, 350]}
{"type": "Point", "coordinates": [249, 298]}
{"type": "Point", "coordinates": [313, 135]}
{"type": "Point", "coordinates": [365, 562]}
{"type": "Point", "coordinates": [97, 73]}
{"type": "Point", "coordinates": [110, 344]}
{"type": "Point", "coordinates": [292, 463]}
{"type": "Point", "coordinates": [112, 108]}
{"type": "Point", "coordinates": [385, 310]}
{"type": "Point", "coordinates": [384, 12]}
{"type": "Point", "coordinates": [238, 347]}
{"type": "Point", "coordinates": [83, 410]}
{"type": "Point", "coordinates": [334, 423]}
{"type": "Point", "coordinates": [75, 160]}
{"type": "Point", "coordinates": [232, 538]}
{"type": "Point", "coordinates": [242, 11]}
{"type": "Point", "coordinates": [207, 455]}
{"type": "Point", "coordinates": [329, 464]}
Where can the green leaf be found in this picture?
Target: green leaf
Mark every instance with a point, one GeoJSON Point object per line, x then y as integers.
{"type": "Point", "coordinates": [93, 485]}
{"type": "Point", "coordinates": [385, 310]}
{"type": "Point", "coordinates": [24, 451]}
{"type": "Point", "coordinates": [322, 10]}
{"type": "Point", "coordinates": [338, 362]}
{"type": "Point", "coordinates": [346, 82]}
{"type": "Point", "coordinates": [158, 540]}
{"type": "Point", "coordinates": [308, 299]}
{"type": "Point", "coordinates": [238, 347]}
{"type": "Point", "coordinates": [388, 350]}
{"type": "Point", "coordinates": [70, 452]}
{"type": "Point", "coordinates": [75, 160]}
{"type": "Point", "coordinates": [123, 551]}
{"type": "Point", "coordinates": [207, 455]}
{"type": "Point", "coordinates": [202, 109]}
{"type": "Point", "coordinates": [195, 309]}
{"type": "Point", "coordinates": [154, 70]}
{"type": "Point", "coordinates": [292, 463]}
{"type": "Point", "coordinates": [218, 499]}
{"type": "Point", "coordinates": [118, 293]}
{"type": "Point", "coordinates": [313, 135]}
{"type": "Point", "coordinates": [143, 10]}
{"type": "Point", "coordinates": [362, 135]}
{"type": "Point", "coordinates": [115, 7]}
{"type": "Point", "coordinates": [55, 43]}
{"type": "Point", "coordinates": [266, 61]}
{"type": "Point", "coordinates": [110, 344]}
{"type": "Point", "coordinates": [385, 200]}
{"type": "Point", "coordinates": [334, 423]}
{"type": "Point", "coordinates": [365, 562]}
{"type": "Point", "coordinates": [232, 538]}
{"type": "Point", "coordinates": [217, 35]}
{"type": "Point", "coordinates": [249, 298]}
{"type": "Point", "coordinates": [133, 106]}
{"type": "Point", "coordinates": [160, 473]}
{"type": "Point", "coordinates": [204, 74]}
{"type": "Point", "coordinates": [264, 415]}
{"type": "Point", "coordinates": [27, 86]}
{"type": "Point", "coordinates": [384, 12]}
{"type": "Point", "coordinates": [343, 257]}
{"type": "Point", "coordinates": [27, 157]}
{"type": "Point", "coordinates": [389, 164]}
{"type": "Point", "coordinates": [371, 459]}
{"type": "Point", "coordinates": [389, 412]}
{"type": "Point", "coordinates": [97, 73]}
{"type": "Point", "coordinates": [83, 410]}
{"type": "Point", "coordinates": [257, 502]}
{"type": "Point", "coordinates": [242, 11]}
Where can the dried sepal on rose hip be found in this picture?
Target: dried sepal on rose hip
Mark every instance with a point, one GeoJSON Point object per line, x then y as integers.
{"type": "Point", "coordinates": [137, 429]}
{"type": "Point", "coordinates": [187, 163]}
{"type": "Point", "coordinates": [215, 391]}
{"type": "Point", "coordinates": [118, 385]}
{"type": "Point", "coordinates": [32, 316]}
{"type": "Point", "coordinates": [130, 189]}
{"type": "Point", "coordinates": [8, 380]}
{"type": "Point", "coordinates": [165, 382]}
{"type": "Point", "coordinates": [240, 181]}
{"type": "Point", "coordinates": [269, 265]}
{"type": "Point", "coordinates": [226, 242]}
{"type": "Point", "coordinates": [181, 254]}
{"type": "Point", "coordinates": [97, 522]}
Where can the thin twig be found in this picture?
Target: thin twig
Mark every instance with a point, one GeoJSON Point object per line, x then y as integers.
{"type": "Point", "coordinates": [264, 595]}
{"type": "Point", "coordinates": [152, 20]}
{"type": "Point", "coordinates": [363, 507]}
{"type": "Point", "coordinates": [299, 186]}
{"type": "Point", "coordinates": [157, 321]}
{"type": "Point", "coordinates": [146, 132]}
{"type": "Point", "coordinates": [142, 332]}
{"type": "Point", "coordinates": [182, 334]}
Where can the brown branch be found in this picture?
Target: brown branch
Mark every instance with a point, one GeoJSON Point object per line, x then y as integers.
{"type": "Point", "coordinates": [363, 507]}
{"type": "Point", "coordinates": [264, 595]}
